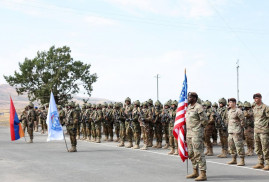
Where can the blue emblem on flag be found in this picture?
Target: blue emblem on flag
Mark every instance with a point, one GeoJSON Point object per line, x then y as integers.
{"type": "Point", "coordinates": [55, 121]}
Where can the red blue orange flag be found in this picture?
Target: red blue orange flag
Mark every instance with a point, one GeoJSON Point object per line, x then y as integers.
{"type": "Point", "coordinates": [16, 131]}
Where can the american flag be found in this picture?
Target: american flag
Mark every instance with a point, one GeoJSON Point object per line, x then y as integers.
{"type": "Point", "coordinates": [180, 122]}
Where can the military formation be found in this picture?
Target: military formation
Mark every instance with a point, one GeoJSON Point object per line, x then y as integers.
{"type": "Point", "coordinates": [235, 124]}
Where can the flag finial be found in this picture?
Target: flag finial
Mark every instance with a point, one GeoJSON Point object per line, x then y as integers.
{"type": "Point", "coordinates": [185, 71]}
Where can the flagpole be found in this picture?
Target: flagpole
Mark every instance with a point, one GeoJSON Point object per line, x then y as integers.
{"type": "Point", "coordinates": [187, 163]}
{"type": "Point", "coordinates": [65, 142]}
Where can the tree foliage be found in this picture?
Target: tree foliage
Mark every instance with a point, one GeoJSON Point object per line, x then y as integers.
{"type": "Point", "coordinates": [53, 70]}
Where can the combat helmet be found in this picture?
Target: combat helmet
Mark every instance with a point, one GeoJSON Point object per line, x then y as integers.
{"type": "Point", "coordinates": [223, 101]}
{"type": "Point", "coordinates": [208, 103]}
{"type": "Point", "coordinates": [174, 103]}
{"type": "Point", "coordinates": [137, 102]}
{"type": "Point", "coordinates": [247, 105]}
{"type": "Point", "coordinates": [128, 99]}
{"type": "Point", "coordinates": [158, 103]}
{"type": "Point", "coordinates": [150, 102]}
{"type": "Point", "coordinates": [31, 105]}
{"type": "Point", "coordinates": [215, 104]}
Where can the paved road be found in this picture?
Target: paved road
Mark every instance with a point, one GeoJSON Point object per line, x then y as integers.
{"type": "Point", "coordinates": [43, 161]}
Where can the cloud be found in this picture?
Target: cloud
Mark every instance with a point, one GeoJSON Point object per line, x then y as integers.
{"type": "Point", "coordinates": [183, 8]}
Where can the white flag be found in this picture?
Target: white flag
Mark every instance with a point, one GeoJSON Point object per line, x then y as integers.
{"type": "Point", "coordinates": [55, 129]}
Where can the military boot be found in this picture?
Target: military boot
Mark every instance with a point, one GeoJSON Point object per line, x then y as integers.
{"type": "Point", "coordinates": [117, 139]}
{"type": "Point", "coordinates": [242, 162]}
{"type": "Point", "coordinates": [207, 151]}
{"type": "Point", "coordinates": [121, 144]}
{"type": "Point", "coordinates": [165, 146]}
{"type": "Point", "coordinates": [159, 145]}
{"type": "Point", "coordinates": [93, 139]}
{"type": "Point", "coordinates": [106, 138]}
{"type": "Point", "coordinates": [31, 141]}
{"type": "Point", "coordinates": [215, 142]}
{"type": "Point", "coordinates": [210, 152]}
{"type": "Point", "coordinates": [195, 174]}
{"type": "Point", "coordinates": [155, 146]}
{"type": "Point", "coordinates": [98, 140]}
{"type": "Point", "coordinates": [73, 149]}
{"type": "Point", "coordinates": [250, 153]}
{"type": "Point", "coordinates": [202, 176]}
{"type": "Point", "coordinates": [111, 139]}
{"type": "Point", "coordinates": [171, 152]}
{"type": "Point", "coordinates": [258, 166]}
{"type": "Point", "coordinates": [176, 152]}
{"type": "Point", "coordinates": [150, 144]}
{"type": "Point", "coordinates": [130, 145]}
{"type": "Point", "coordinates": [145, 147]}
{"type": "Point", "coordinates": [36, 126]}
{"type": "Point", "coordinates": [89, 139]}
{"type": "Point", "coordinates": [233, 161]}
{"type": "Point", "coordinates": [135, 147]}
{"type": "Point", "coordinates": [266, 167]}
{"type": "Point", "coordinates": [223, 154]}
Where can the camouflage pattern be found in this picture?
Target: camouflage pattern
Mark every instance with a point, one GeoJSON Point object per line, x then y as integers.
{"type": "Point", "coordinates": [136, 126]}
{"type": "Point", "coordinates": [31, 118]}
{"type": "Point", "coordinates": [261, 132]}
{"type": "Point", "coordinates": [209, 130]}
{"type": "Point", "coordinates": [72, 125]}
{"type": "Point", "coordinates": [129, 132]}
{"type": "Point", "coordinates": [235, 130]}
{"type": "Point", "coordinates": [165, 124]}
{"type": "Point", "coordinates": [249, 129]}
{"type": "Point", "coordinates": [145, 118]}
{"type": "Point", "coordinates": [158, 125]}
{"type": "Point", "coordinates": [222, 111]}
{"type": "Point", "coordinates": [24, 118]}
{"type": "Point", "coordinates": [97, 118]}
{"type": "Point", "coordinates": [172, 140]}
{"type": "Point", "coordinates": [196, 120]}
{"type": "Point", "coordinates": [42, 119]}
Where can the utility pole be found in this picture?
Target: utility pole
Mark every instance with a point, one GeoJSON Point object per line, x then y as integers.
{"type": "Point", "coordinates": [237, 69]}
{"type": "Point", "coordinates": [157, 85]}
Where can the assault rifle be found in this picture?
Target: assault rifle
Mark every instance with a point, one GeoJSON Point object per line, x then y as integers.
{"type": "Point", "coordinates": [219, 121]}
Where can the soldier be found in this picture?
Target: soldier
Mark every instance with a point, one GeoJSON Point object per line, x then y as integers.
{"type": "Point", "coordinates": [109, 118]}
{"type": "Point", "coordinates": [97, 118]}
{"type": "Point", "coordinates": [78, 110]}
{"type": "Point", "coordinates": [42, 119]}
{"type": "Point", "coordinates": [172, 140]}
{"type": "Point", "coordinates": [31, 117]}
{"type": "Point", "coordinates": [151, 124]}
{"type": "Point", "coordinates": [84, 121]}
{"type": "Point", "coordinates": [249, 128]}
{"type": "Point", "coordinates": [37, 111]}
{"type": "Point", "coordinates": [93, 130]}
{"type": "Point", "coordinates": [119, 120]}
{"type": "Point", "coordinates": [128, 115]}
{"type": "Point", "coordinates": [209, 129]}
{"type": "Point", "coordinates": [145, 117]}
{"type": "Point", "coordinates": [61, 115]}
{"type": "Point", "coordinates": [24, 118]}
{"type": "Point", "coordinates": [222, 127]}
{"type": "Point", "coordinates": [261, 132]}
{"type": "Point", "coordinates": [136, 124]}
{"type": "Point", "coordinates": [158, 124]}
{"type": "Point", "coordinates": [215, 131]}
{"type": "Point", "coordinates": [88, 122]}
{"type": "Point", "coordinates": [72, 125]}
{"type": "Point", "coordinates": [165, 124]}
{"type": "Point", "coordinates": [196, 120]}
{"type": "Point", "coordinates": [235, 130]}
{"type": "Point", "coordinates": [105, 121]}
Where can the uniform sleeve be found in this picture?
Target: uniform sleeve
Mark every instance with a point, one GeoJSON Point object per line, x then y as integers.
{"type": "Point", "coordinates": [211, 118]}
{"type": "Point", "coordinates": [241, 117]}
{"type": "Point", "coordinates": [202, 116]}
{"type": "Point", "coordinates": [267, 111]}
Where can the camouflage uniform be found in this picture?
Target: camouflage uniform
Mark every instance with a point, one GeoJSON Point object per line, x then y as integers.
{"type": "Point", "coordinates": [109, 119]}
{"type": "Point", "coordinates": [78, 110]}
{"type": "Point", "coordinates": [223, 132]}
{"type": "Point", "coordinates": [83, 122]}
{"type": "Point", "coordinates": [235, 139]}
{"type": "Point", "coordinates": [196, 120]}
{"type": "Point", "coordinates": [24, 118]}
{"type": "Point", "coordinates": [129, 132]}
{"type": "Point", "coordinates": [136, 124]}
{"type": "Point", "coordinates": [72, 125]}
{"type": "Point", "coordinates": [105, 121]}
{"type": "Point", "coordinates": [165, 124]}
{"type": "Point", "coordinates": [97, 118]}
{"type": "Point", "coordinates": [87, 117]}
{"type": "Point", "coordinates": [42, 118]}
{"type": "Point", "coordinates": [209, 129]}
{"type": "Point", "coordinates": [31, 117]}
{"type": "Point", "coordinates": [119, 120]}
{"type": "Point", "coordinates": [172, 140]}
{"type": "Point", "coordinates": [93, 130]}
{"type": "Point", "coordinates": [261, 134]}
{"type": "Point", "coordinates": [37, 111]}
{"type": "Point", "coordinates": [158, 124]}
{"type": "Point", "coordinates": [249, 128]}
{"type": "Point", "coordinates": [215, 131]}
{"type": "Point", "coordinates": [151, 124]}
{"type": "Point", "coordinates": [145, 117]}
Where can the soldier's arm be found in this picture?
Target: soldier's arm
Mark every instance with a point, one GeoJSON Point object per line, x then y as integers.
{"type": "Point", "coordinates": [241, 118]}
{"type": "Point", "coordinates": [202, 116]}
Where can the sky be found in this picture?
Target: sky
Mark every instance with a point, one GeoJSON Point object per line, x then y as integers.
{"type": "Point", "coordinates": [129, 42]}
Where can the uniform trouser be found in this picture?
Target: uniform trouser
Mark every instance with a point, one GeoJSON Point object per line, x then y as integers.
{"type": "Point", "coordinates": [236, 144]}
{"type": "Point", "coordinates": [146, 129]}
{"type": "Point", "coordinates": [122, 131]}
{"type": "Point", "coordinates": [166, 132]}
{"type": "Point", "coordinates": [98, 127]}
{"type": "Point", "coordinates": [110, 129]}
{"type": "Point", "coordinates": [72, 133]}
{"type": "Point", "coordinates": [223, 139]}
{"type": "Point", "coordinates": [158, 132]}
{"type": "Point", "coordinates": [172, 140]}
{"type": "Point", "coordinates": [137, 132]}
{"type": "Point", "coordinates": [196, 152]}
{"type": "Point", "coordinates": [88, 129]}
{"type": "Point", "coordinates": [42, 123]}
{"type": "Point", "coordinates": [105, 128]}
{"type": "Point", "coordinates": [36, 124]}
{"type": "Point", "coordinates": [84, 130]}
{"type": "Point", "coordinates": [249, 137]}
{"type": "Point", "coordinates": [151, 132]}
{"type": "Point", "coordinates": [78, 129]}
{"type": "Point", "coordinates": [117, 129]}
{"type": "Point", "coordinates": [209, 130]}
{"type": "Point", "coordinates": [262, 147]}
{"type": "Point", "coordinates": [30, 129]}
{"type": "Point", "coordinates": [24, 125]}
{"type": "Point", "coordinates": [129, 132]}
{"type": "Point", "coordinates": [93, 130]}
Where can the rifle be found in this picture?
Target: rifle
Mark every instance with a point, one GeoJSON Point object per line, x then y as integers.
{"type": "Point", "coordinates": [219, 122]}
{"type": "Point", "coordinates": [130, 120]}
{"type": "Point", "coordinates": [142, 118]}
{"type": "Point", "coordinates": [165, 117]}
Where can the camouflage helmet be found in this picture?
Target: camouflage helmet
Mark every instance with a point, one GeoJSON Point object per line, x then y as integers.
{"type": "Point", "coordinates": [253, 104]}
{"type": "Point", "coordinates": [84, 106]}
{"type": "Point", "coordinates": [167, 104]}
{"type": "Point", "coordinates": [94, 105]}
{"type": "Point", "coordinates": [174, 103]}
{"type": "Point", "coordinates": [223, 101]}
{"type": "Point", "coordinates": [150, 102]}
{"type": "Point", "coordinates": [110, 105]}
{"type": "Point", "coordinates": [128, 99]}
{"type": "Point", "coordinates": [145, 103]}
{"type": "Point", "coordinates": [89, 105]}
{"type": "Point", "coordinates": [137, 102]}
{"type": "Point", "coordinates": [105, 104]}
{"type": "Point", "coordinates": [215, 104]}
{"type": "Point", "coordinates": [99, 106]}
{"type": "Point", "coordinates": [247, 104]}
{"type": "Point", "coordinates": [117, 105]}
{"type": "Point", "coordinates": [158, 103]}
{"type": "Point", "coordinates": [58, 107]}
{"type": "Point", "coordinates": [199, 101]}
{"type": "Point", "coordinates": [203, 103]}
{"type": "Point", "coordinates": [240, 104]}
{"type": "Point", "coordinates": [31, 104]}
{"type": "Point", "coordinates": [208, 103]}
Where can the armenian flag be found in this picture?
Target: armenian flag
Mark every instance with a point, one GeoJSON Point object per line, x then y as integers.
{"type": "Point", "coordinates": [16, 131]}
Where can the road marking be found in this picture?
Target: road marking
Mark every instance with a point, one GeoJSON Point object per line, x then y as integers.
{"type": "Point", "coordinates": [208, 161]}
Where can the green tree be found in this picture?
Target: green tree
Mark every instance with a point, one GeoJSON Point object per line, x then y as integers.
{"type": "Point", "coordinates": [53, 70]}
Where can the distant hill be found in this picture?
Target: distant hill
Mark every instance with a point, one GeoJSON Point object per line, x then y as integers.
{"type": "Point", "coordinates": [21, 101]}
